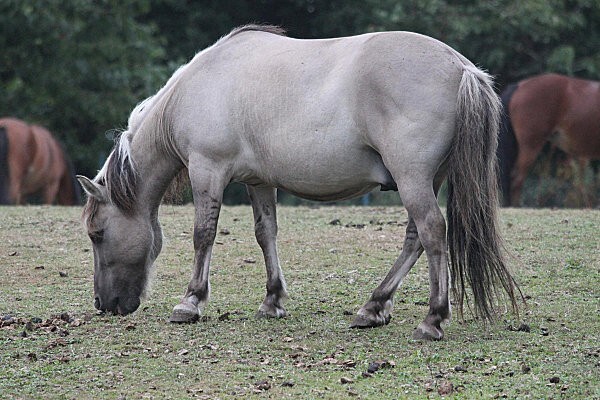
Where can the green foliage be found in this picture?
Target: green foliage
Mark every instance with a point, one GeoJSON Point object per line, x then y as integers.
{"type": "Point", "coordinates": [79, 67]}
{"type": "Point", "coordinates": [512, 39]}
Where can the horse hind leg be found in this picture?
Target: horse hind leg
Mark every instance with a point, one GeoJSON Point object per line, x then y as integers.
{"type": "Point", "coordinates": [377, 311]}
{"type": "Point", "coordinates": [426, 231]}
{"type": "Point", "coordinates": [580, 165]}
{"type": "Point", "coordinates": [431, 225]}
{"type": "Point", "coordinates": [263, 201]}
{"type": "Point", "coordinates": [525, 159]}
{"type": "Point", "coordinates": [50, 192]}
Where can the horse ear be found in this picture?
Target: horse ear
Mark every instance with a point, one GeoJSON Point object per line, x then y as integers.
{"type": "Point", "coordinates": [93, 189]}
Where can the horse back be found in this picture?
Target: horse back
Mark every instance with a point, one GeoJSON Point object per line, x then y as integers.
{"type": "Point", "coordinates": [333, 109]}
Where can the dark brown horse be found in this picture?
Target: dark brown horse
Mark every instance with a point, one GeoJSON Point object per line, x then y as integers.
{"type": "Point", "coordinates": [32, 162]}
{"type": "Point", "coordinates": [546, 108]}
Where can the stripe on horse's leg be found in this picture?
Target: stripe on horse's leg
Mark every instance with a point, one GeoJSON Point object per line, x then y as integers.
{"type": "Point", "coordinates": [263, 201]}
{"type": "Point", "coordinates": [377, 311]}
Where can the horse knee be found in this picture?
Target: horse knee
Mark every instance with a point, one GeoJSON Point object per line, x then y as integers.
{"type": "Point", "coordinates": [432, 232]}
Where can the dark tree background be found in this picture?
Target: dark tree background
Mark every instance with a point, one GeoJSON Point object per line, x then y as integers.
{"type": "Point", "coordinates": [79, 67]}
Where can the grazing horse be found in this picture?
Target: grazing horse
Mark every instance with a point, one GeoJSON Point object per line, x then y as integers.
{"type": "Point", "coordinates": [323, 119]}
{"type": "Point", "coordinates": [546, 108]}
{"type": "Point", "coordinates": [33, 162]}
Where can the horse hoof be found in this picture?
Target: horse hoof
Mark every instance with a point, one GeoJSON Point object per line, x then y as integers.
{"type": "Point", "coordinates": [271, 313]}
{"type": "Point", "coordinates": [183, 314]}
{"type": "Point", "coordinates": [429, 333]}
{"type": "Point", "coordinates": [362, 322]}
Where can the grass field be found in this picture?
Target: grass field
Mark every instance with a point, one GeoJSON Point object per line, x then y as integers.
{"type": "Point", "coordinates": [53, 344]}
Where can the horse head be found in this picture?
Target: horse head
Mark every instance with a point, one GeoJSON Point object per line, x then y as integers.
{"type": "Point", "coordinates": [126, 243]}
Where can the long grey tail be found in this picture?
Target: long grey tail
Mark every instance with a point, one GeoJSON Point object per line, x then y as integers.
{"type": "Point", "coordinates": [474, 241]}
{"type": "Point", "coordinates": [4, 172]}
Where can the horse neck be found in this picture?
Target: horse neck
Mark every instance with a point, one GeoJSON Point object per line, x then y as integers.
{"type": "Point", "coordinates": [156, 170]}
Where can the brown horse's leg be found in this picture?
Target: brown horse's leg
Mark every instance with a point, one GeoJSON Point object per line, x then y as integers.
{"type": "Point", "coordinates": [50, 192]}
{"type": "Point", "coordinates": [525, 159]}
{"type": "Point", "coordinates": [16, 188]}
{"type": "Point", "coordinates": [263, 201]}
{"type": "Point", "coordinates": [579, 166]}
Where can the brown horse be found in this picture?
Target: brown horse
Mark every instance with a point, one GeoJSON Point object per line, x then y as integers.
{"type": "Point", "coordinates": [546, 108]}
{"type": "Point", "coordinates": [33, 162]}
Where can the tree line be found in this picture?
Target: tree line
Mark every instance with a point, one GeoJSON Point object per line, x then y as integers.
{"type": "Point", "coordinates": [79, 67]}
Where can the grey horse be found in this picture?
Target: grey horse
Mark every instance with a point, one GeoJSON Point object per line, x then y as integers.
{"type": "Point", "coordinates": [326, 120]}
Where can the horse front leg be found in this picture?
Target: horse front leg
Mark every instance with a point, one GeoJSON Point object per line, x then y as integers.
{"type": "Point", "coordinates": [263, 201]}
{"type": "Point", "coordinates": [377, 311]}
{"type": "Point", "coordinates": [207, 203]}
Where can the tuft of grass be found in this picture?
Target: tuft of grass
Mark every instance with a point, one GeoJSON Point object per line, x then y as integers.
{"type": "Point", "coordinates": [57, 346]}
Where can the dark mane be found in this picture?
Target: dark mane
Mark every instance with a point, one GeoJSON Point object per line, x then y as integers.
{"type": "Point", "coordinates": [274, 29]}
{"type": "Point", "coordinates": [120, 179]}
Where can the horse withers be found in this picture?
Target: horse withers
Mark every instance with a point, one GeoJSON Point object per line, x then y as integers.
{"type": "Point", "coordinates": [32, 162]}
{"type": "Point", "coordinates": [323, 119]}
{"type": "Point", "coordinates": [551, 108]}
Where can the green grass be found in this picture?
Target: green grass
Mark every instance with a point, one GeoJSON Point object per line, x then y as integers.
{"type": "Point", "coordinates": [46, 269]}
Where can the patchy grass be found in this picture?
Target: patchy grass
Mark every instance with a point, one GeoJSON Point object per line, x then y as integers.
{"type": "Point", "coordinates": [54, 345]}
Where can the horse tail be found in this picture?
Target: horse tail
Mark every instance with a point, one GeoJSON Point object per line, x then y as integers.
{"type": "Point", "coordinates": [475, 246]}
{"type": "Point", "coordinates": [507, 145]}
{"type": "Point", "coordinates": [4, 173]}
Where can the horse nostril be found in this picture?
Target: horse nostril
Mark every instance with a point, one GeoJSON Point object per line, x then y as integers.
{"type": "Point", "coordinates": [97, 303]}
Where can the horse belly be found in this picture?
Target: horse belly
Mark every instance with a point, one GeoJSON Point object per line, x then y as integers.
{"type": "Point", "coordinates": [326, 175]}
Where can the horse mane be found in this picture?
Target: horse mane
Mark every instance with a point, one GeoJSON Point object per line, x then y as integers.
{"type": "Point", "coordinates": [274, 29]}
{"type": "Point", "coordinates": [119, 177]}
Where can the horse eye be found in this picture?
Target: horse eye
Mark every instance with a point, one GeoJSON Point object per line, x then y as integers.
{"type": "Point", "coordinates": [97, 236]}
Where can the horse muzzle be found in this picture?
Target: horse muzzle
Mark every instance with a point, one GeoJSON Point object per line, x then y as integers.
{"type": "Point", "coordinates": [117, 305]}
